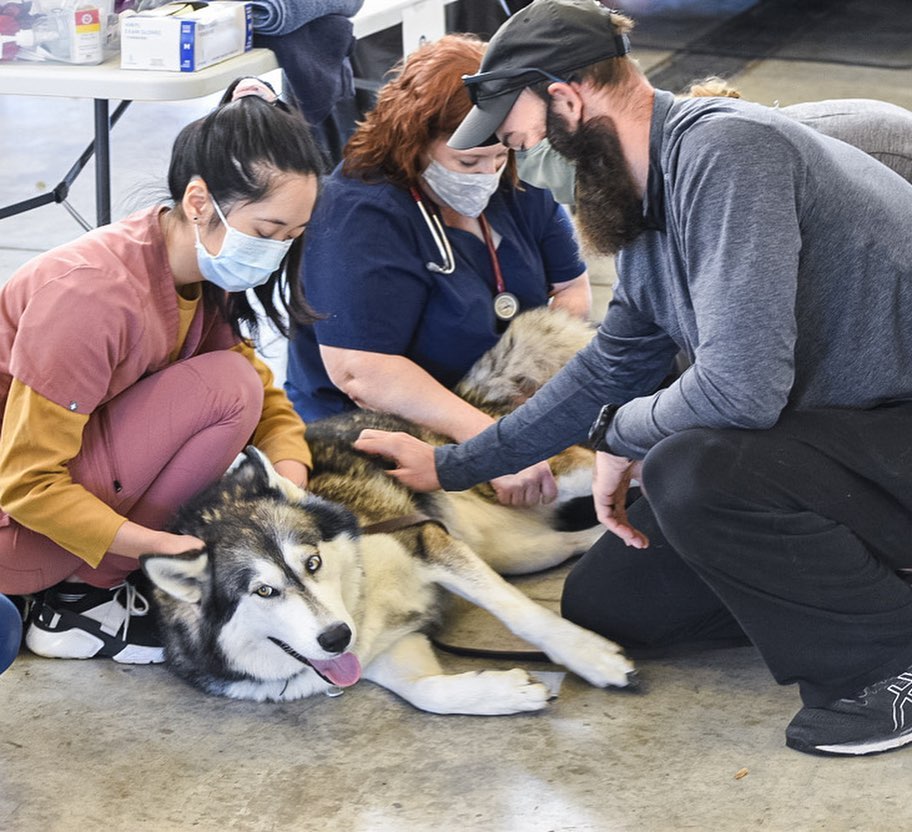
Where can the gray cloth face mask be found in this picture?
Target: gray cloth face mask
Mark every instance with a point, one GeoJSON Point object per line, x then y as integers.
{"type": "Point", "coordinates": [543, 167]}
{"type": "Point", "coordinates": [466, 193]}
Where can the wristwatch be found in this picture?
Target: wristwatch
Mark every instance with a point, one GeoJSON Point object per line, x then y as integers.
{"type": "Point", "coordinates": [600, 427]}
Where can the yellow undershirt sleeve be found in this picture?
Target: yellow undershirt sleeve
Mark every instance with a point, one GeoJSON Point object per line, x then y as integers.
{"type": "Point", "coordinates": [280, 433]}
{"type": "Point", "coordinates": [38, 440]}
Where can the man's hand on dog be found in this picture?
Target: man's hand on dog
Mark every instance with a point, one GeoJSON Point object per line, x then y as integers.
{"type": "Point", "coordinates": [610, 482]}
{"type": "Point", "coordinates": [413, 458]}
{"type": "Point", "coordinates": [532, 485]}
{"type": "Point", "coordinates": [415, 468]}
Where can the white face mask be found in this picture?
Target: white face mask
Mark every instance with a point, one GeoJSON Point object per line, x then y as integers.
{"type": "Point", "coordinates": [466, 193]}
{"type": "Point", "coordinates": [544, 167]}
{"type": "Point", "coordinates": [243, 261]}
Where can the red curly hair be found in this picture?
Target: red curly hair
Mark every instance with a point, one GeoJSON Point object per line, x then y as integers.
{"type": "Point", "coordinates": [426, 100]}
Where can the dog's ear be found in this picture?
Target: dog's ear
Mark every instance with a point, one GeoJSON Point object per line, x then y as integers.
{"type": "Point", "coordinates": [524, 389]}
{"type": "Point", "coordinates": [256, 470]}
{"type": "Point", "coordinates": [182, 576]}
{"type": "Point", "coordinates": [332, 518]}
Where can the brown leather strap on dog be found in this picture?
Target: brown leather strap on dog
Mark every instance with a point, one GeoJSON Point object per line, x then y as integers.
{"type": "Point", "coordinates": [405, 521]}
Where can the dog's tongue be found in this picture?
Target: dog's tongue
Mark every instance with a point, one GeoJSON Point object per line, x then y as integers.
{"type": "Point", "coordinates": [343, 671]}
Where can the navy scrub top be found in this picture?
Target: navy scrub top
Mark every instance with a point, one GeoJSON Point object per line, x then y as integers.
{"type": "Point", "coordinates": [364, 270]}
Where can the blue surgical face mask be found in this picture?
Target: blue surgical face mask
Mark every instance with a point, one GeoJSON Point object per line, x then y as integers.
{"type": "Point", "coordinates": [243, 261]}
{"type": "Point", "coordinates": [542, 166]}
{"type": "Point", "coordinates": [466, 193]}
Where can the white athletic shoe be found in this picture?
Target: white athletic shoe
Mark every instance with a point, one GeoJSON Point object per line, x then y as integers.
{"type": "Point", "coordinates": [78, 621]}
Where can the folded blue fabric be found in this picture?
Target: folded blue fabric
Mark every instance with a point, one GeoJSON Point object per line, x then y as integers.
{"type": "Point", "coordinates": [280, 17]}
{"type": "Point", "coordinates": [316, 64]}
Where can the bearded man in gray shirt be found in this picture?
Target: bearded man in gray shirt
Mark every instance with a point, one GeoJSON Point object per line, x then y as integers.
{"type": "Point", "coordinates": [777, 469]}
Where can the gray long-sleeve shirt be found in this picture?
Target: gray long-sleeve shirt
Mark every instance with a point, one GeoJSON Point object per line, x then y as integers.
{"type": "Point", "coordinates": [880, 129]}
{"type": "Point", "coordinates": [778, 259]}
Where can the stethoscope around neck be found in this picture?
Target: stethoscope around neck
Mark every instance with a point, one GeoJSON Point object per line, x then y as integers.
{"type": "Point", "coordinates": [435, 226]}
{"type": "Point", "coordinates": [506, 304]}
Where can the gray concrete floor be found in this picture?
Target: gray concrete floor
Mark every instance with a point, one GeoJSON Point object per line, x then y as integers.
{"type": "Point", "coordinates": [97, 746]}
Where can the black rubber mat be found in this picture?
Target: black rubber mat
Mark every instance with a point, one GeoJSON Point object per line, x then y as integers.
{"type": "Point", "coordinates": [854, 32]}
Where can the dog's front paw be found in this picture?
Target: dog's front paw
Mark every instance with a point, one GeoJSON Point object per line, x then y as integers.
{"type": "Point", "coordinates": [599, 661]}
{"type": "Point", "coordinates": [510, 692]}
{"type": "Point", "coordinates": [609, 670]}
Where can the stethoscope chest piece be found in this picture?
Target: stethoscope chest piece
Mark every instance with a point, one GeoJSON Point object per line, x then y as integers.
{"type": "Point", "coordinates": [506, 305]}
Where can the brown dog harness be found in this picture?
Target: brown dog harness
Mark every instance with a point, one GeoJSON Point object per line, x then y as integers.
{"type": "Point", "coordinates": [405, 521]}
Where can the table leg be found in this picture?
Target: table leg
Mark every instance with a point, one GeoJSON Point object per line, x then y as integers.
{"type": "Point", "coordinates": [102, 162]}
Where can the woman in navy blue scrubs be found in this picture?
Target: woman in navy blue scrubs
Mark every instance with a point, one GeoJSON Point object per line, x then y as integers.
{"type": "Point", "coordinates": [418, 256]}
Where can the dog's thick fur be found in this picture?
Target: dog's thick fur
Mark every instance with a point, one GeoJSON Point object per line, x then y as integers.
{"type": "Point", "coordinates": [289, 597]}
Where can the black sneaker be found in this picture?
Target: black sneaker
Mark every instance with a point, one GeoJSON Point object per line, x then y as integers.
{"type": "Point", "coordinates": [78, 621]}
{"type": "Point", "coordinates": [878, 719]}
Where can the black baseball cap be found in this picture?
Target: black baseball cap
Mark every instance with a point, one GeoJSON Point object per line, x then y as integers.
{"type": "Point", "coordinates": [547, 40]}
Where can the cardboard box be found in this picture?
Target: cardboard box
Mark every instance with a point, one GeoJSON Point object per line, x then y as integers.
{"type": "Point", "coordinates": [184, 37]}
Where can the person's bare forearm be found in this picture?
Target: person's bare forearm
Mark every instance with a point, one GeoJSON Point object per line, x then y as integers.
{"type": "Point", "coordinates": [395, 384]}
{"type": "Point", "coordinates": [133, 540]}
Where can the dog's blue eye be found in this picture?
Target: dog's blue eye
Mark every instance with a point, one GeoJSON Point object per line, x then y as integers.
{"type": "Point", "coordinates": [313, 563]}
{"type": "Point", "coordinates": [266, 591]}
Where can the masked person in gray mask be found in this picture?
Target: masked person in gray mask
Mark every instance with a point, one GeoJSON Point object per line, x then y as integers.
{"type": "Point", "coordinates": [776, 469]}
{"type": "Point", "coordinates": [880, 129]}
{"type": "Point", "coordinates": [418, 256]}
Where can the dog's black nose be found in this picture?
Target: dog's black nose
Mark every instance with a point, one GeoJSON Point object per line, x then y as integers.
{"type": "Point", "coordinates": [336, 638]}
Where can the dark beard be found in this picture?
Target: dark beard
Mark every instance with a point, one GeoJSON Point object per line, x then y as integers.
{"type": "Point", "coordinates": [609, 208]}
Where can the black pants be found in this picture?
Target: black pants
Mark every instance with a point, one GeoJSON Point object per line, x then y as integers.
{"type": "Point", "coordinates": [792, 536]}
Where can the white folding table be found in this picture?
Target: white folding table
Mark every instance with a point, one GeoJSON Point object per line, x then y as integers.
{"type": "Point", "coordinates": [103, 83]}
{"type": "Point", "coordinates": [422, 20]}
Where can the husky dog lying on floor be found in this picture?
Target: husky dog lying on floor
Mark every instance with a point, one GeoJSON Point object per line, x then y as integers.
{"type": "Point", "coordinates": [297, 592]}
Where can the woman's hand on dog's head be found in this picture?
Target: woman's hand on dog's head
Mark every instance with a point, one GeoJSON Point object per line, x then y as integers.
{"type": "Point", "coordinates": [133, 540]}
